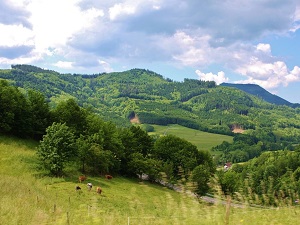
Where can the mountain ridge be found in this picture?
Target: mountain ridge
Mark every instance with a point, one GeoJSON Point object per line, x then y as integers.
{"type": "Point", "coordinates": [258, 91]}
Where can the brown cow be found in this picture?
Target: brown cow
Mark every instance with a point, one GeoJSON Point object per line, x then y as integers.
{"type": "Point", "coordinates": [99, 190]}
{"type": "Point", "coordinates": [109, 177]}
{"type": "Point", "coordinates": [82, 178]}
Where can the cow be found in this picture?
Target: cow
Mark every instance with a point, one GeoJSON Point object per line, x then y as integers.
{"type": "Point", "coordinates": [108, 177]}
{"type": "Point", "coordinates": [77, 188]}
{"type": "Point", "coordinates": [99, 190]}
{"type": "Point", "coordinates": [89, 185]}
{"type": "Point", "coordinates": [82, 178]}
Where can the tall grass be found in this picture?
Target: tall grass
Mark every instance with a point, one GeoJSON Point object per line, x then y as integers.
{"type": "Point", "coordinates": [30, 197]}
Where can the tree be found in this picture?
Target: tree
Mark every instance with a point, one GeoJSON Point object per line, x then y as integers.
{"type": "Point", "coordinates": [72, 114]}
{"type": "Point", "coordinates": [229, 181]}
{"type": "Point", "coordinates": [139, 165]}
{"type": "Point", "coordinates": [57, 148]}
{"type": "Point", "coordinates": [201, 175]}
{"type": "Point", "coordinates": [142, 142]}
{"type": "Point", "coordinates": [177, 152]}
{"type": "Point", "coordinates": [40, 113]}
{"type": "Point", "coordinates": [14, 110]}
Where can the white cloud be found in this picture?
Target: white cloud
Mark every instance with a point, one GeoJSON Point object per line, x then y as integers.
{"type": "Point", "coordinates": [106, 66]}
{"type": "Point", "coordinates": [64, 64]}
{"type": "Point", "coordinates": [268, 75]}
{"type": "Point", "coordinates": [292, 76]}
{"type": "Point", "coordinates": [264, 47]}
{"type": "Point", "coordinates": [15, 35]}
{"type": "Point", "coordinates": [194, 50]}
{"type": "Point", "coordinates": [218, 78]}
{"type": "Point", "coordinates": [121, 9]}
{"type": "Point", "coordinates": [54, 22]}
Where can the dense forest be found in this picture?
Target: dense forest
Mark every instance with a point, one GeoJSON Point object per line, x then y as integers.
{"type": "Point", "coordinates": [85, 120]}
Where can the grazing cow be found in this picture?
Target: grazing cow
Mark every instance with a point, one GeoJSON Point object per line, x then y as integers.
{"type": "Point", "coordinates": [108, 177]}
{"type": "Point", "coordinates": [89, 185]}
{"type": "Point", "coordinates": [78, 188]}
{"type": "Point", "coordinates": [82, 178]}
{"type": "Point", "coordinates": [99, 190]}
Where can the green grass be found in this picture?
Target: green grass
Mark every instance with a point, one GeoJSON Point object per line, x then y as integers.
{"type": "Point", "coordinates": [29, 197]}
{"type": "Point", "coordinates": [203, 140]}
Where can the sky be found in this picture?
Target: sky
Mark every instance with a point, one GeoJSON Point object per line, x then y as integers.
{"type": "Point", "coordinates": [236, 41]}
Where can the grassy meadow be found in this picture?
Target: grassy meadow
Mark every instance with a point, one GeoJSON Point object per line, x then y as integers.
{"type": "Point", "coordinates": [28, 196]}
{"type": "Point", "coordinates": [203, 140]}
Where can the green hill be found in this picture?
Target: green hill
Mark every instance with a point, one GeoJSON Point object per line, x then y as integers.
{"type": "Point", "coordinates": [121, 96]}
{"type": "Point", "coordinates": [260, 92]}
{"type": "Point", "coordinates": [30, 197]}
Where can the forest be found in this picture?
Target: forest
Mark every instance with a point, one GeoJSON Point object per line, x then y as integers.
{"type": "Point", "coordinates": [84, 120]}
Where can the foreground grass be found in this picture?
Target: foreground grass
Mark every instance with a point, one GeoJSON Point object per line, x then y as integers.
{"type": "Point", "coordinates": [27, 197]}
{"type": "Point", "coordinates": [203, 140]}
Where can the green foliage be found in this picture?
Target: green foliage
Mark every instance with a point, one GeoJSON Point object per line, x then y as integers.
{"type": "Point", "coordinates": [272, 177]}
{"type": "Point", "coordinates": [179, 153]}
{"type": "Point", "coordinates": [155, 100]}
{"type": "Point", "coordinates": [14, 111]}
{"type": "Point", "coordinates": [57, 148]}
{"type": "Point", "coordinates": [72, 114]}
{"type": "Point", "coordinates": [140, 165]}
{"type": "Point", "coordinates": [40, 113]}
{"type": "Point", "coordinates": [201, 176]}
{"type": "Point", "coordinates": [229, 181]}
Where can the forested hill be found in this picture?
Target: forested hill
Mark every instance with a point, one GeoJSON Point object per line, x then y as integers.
{"type": "Point", "coordinates": [153, 99]}
{"type": "Point", "coordinates": [258, 91]}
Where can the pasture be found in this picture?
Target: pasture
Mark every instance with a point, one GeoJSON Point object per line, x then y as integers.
{"type": "Point", "coordinates": [30, 197]}
{"type": "Point", "coordinates": [203, 140]}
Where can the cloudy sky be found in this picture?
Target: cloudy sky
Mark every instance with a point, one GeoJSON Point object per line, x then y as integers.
{"type": "Point", "coordinates": [236, 41]}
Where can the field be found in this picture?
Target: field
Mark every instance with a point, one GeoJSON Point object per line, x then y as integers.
{"type": "Point", "coordinates": [203, 140]}
{"type": "Point", "coordinates": [28, 196]}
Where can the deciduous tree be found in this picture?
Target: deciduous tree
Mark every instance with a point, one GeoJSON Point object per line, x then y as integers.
{"type": "Point", "coordinates": [57, 148]}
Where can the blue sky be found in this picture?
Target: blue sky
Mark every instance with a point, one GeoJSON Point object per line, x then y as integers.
{"type": "Point", "coordinates": [236, 41]}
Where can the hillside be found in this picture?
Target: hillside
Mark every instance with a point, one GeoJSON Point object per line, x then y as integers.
{"type": "Point", "coordinates": [31, 197]}
{"type": "Point", "coordinates": [121, 96]}
{"type": "Point", "coordinates": [258, 91]}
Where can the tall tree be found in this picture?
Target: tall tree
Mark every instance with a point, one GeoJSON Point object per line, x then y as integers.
{"type": "Point", "coordinates": [72, 114]}
{"type": "Point", "coordinates": [201, 175]}
{"type": "Point", "coordinates": [177, 152]}
{"type": "Point", "coordinates": [40, 113]}
{"type": "Point", "coordinates": [14, 110]}
{"type": "Point", "coordinates": [57, 148]}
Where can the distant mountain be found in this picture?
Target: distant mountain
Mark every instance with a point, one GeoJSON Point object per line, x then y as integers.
{"type": "Point", "coordinates": [258, 91]}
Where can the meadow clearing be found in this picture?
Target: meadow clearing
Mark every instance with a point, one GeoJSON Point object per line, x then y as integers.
{"type": "Point", "coordinates": [203, 140]}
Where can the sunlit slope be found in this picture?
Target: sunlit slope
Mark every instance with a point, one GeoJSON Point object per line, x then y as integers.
{"type": "Point", "coordinates": [28, 197]}
{"type": "Point", "coordinates": [203, 140]}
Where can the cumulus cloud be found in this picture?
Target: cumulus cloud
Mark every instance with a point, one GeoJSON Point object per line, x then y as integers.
{"type": "Point", "coordinates": [15, 35]}
{"type": "Point", "coordinates": [121, 9]}
{"type": "Point", "coordinates": [218, 78]}
{"type": "Point", "coordinates": [268, 75]}
{"type": "Point", "coordinates": [92, 34]}
{"type": "Point", "coordinates": [64, 64]}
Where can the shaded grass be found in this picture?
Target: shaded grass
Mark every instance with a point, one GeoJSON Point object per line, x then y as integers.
{"type": "Point", "coordinates": [203, 140]}
{"type": "Point", "coordinates": [29, 197]}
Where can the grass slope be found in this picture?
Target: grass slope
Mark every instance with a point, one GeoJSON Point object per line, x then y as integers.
{"type": "Point", "coordinates": [203, 140]}
{"type": "Point", "coordinates": [28, 197]}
